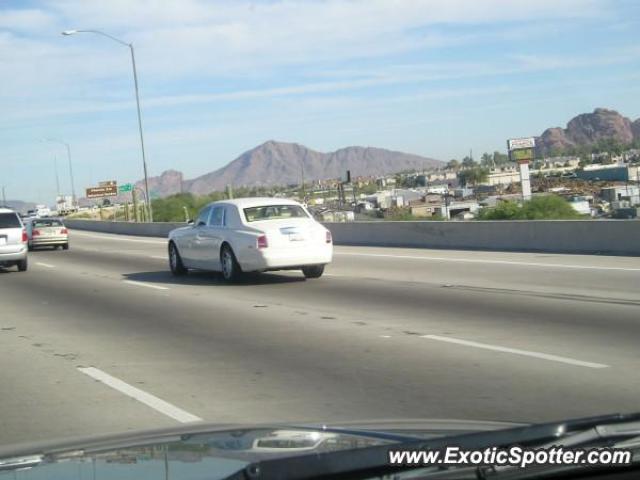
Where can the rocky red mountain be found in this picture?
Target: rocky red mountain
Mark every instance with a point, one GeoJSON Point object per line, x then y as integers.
{"type": "Point", "coordinates": [588, 129]}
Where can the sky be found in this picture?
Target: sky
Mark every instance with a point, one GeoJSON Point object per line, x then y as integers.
{"type": "Point", "coordinates": [431, 77]}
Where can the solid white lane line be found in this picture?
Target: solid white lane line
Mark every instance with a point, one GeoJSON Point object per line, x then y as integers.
{"type": "Point", "coordinates": [45, 265]}
{"type": "Point", "coordinates": [140, 395]}
{"type": "Point", "coordinates": [118, 238]}
{"type": "Point", "coordinates": [515, 351]}
{"type": "Point", "coordinates": [141, 284]}
{"type": "Point", "coordinates": [497, 262]}
{"type": "Point", "coordinates": [159, 257]}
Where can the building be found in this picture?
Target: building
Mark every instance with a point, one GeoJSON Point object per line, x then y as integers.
{"type": "Point", "coordinates": [503, 176]}
{"type": "Point", "coordinates": [336, 216]}
{"type": "Point", "coordinates": [424, 209]}
{"type": "Point", "coordinates": [581, 204]}
{"type": "Point", "coordinates": [620, 193]}
{"type": "Point", "coordinates": [609, 173]}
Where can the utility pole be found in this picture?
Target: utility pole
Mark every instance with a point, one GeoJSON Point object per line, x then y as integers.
{"type": "Point", "coordinates": [304, 194]}
{"type": "Point", "coordinates": [55, 165]}
{"type": "Point", "coordinates": [4, 197]}
{"type": "Point", "coordinates": [149, 212]}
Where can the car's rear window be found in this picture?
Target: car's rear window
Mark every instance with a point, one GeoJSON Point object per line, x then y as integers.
{"type": "Point", "coordinates": [47, 223]}
{"type": "Point", "coordinates": [9, 220]}
{"type": "Point", "coordinates": [274, 212]}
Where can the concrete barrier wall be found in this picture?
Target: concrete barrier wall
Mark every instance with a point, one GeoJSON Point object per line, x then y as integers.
{"type": "Point", "coordinates": [612, 237]}
{"type": "Point", "coordinates": [125, 228]}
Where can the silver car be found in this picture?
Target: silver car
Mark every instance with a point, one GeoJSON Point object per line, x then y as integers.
{"type": "Point", "coordinates": [13, 240]}
{"type": "Point", "coordinates": [47, 232]}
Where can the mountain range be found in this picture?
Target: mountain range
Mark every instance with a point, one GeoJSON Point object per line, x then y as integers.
{"type": "Point", "coordinates": [281, 163]}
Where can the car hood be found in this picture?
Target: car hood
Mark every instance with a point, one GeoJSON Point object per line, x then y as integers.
{"type": "Point", "coordinates": [213, 451]}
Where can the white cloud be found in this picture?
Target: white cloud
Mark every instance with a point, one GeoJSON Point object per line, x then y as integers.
{"type": "Point", "coordinates": [25, 20]}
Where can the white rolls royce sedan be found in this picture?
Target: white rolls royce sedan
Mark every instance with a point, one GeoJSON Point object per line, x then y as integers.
{"type": "Point", "coordinates": [251, 235]}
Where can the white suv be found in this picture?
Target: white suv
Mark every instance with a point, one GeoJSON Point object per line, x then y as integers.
{"type": "Point", "coordinates": [13, 240]}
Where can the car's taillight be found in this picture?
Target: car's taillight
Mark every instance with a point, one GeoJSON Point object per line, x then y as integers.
{"type": "Point", "coordinates": [64, 231]}
{"type": "Point", "coordinates": [25, 237]}
{"type": "Point", "coordinates": [262, 241]}
{"type": "Point", "coordinates": [36, 233]}
{"type": "Point", "coordinates": [329, 239]}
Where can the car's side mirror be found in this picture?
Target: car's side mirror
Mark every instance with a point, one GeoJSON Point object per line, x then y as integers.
{"type": "Point", "coordinates": [189, 222]}
{"type": "Point", "coordinates": [201, 224]}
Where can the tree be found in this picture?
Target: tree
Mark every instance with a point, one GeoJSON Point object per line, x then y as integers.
{"type": "Point", "coordinates": [473, 176]}
{"type": "Point", "coordinates": [468, 162]}
{"type": "Point", "coordinates": [453, 164]}
{"type": "Point", "coordinates": [486, 159]}
{"type": "Point", "coordinates": [544, 207]}
{"type": "Point", "coordinates": [500, 158]}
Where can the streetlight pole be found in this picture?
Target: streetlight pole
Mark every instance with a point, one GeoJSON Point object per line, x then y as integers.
{"type": "Point", "coordinates": [73, 185]}
{"type": "Point", "coordinates": [135, 84]}
{"type": "Point", "coordinates": [304, 193]}
{"type": "Point", "coordinates": [4, 197]}
{"type": "Point", "coordinates": [55, 166]}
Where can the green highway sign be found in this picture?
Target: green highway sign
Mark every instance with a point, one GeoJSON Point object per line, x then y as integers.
{"type": "Point", "coordinates": [127, 187]}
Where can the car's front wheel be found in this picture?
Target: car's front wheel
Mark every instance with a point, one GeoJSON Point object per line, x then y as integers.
{"type": "Point", "coordinates": [175, 261]}
{"type": "Point", "coordinates": [313, 271]}
{"type": "Point", "coordinates": [230, 268]}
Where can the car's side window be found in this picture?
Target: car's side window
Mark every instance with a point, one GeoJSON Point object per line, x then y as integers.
{"type": "Point", "coordinates": [217, 217]}
{"type": "Point", "coordinates": [203, 216]}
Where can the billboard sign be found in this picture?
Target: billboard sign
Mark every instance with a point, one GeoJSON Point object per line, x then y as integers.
{"type": "Point", "coordinates": [99, 192]}
{"type": "Point", "coordinates": [522, 155]}
{"type": "Point", "coordinates": [108, 183]}
{"type": "Point", "coordinates": [521, 143]}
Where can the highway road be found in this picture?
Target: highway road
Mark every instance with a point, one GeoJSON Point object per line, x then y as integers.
{"type": "Point", "coordinates": [101, 338]}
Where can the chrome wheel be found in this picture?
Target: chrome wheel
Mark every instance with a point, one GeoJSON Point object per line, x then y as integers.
{"type": "Point", "coordinates": [172, 258]}
{"type": "Point", "coordinates": [227, 264]}
{"type": "Point", "coordinates": [175, 262]}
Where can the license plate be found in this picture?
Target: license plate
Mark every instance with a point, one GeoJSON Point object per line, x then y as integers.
{"type": "Point", "coordinates": [3, 240]}
{"type": "Point", "coordinates": [296, 237]}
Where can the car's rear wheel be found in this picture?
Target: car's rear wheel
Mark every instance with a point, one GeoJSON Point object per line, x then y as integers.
{"type": "Point", "coordinates": [22, 265]}
{"type": "Point", "coordinates": [65, 246]}
{"type": "Point", "coordinates": [231, 271]}
{"type": "Point", "coordinates": [175, 261]}
{"type": "Point", "coordinates": [313, 271]}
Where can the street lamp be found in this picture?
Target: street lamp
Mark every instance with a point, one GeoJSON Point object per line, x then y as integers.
{"type": "Point", "coordinates": [135, 83]}
{"type": "Point", "coordinates": [73, 186]}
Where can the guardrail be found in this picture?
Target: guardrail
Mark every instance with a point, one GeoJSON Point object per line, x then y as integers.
{"type": "Point", "coordinates": [610, 237]}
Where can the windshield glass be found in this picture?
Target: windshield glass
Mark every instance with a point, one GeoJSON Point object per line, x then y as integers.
{"type": "Point", "coordinates": [274, 212]}
{"type": "Point", "coordinates": [9, 220]}
{"type": "Point", "coordinates": [47, 223]}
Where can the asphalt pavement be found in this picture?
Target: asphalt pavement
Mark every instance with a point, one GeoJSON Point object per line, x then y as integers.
{"type": "Point", "coordinates": [101, 338]}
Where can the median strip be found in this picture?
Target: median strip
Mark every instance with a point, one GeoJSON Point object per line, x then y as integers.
{"type": "Point", "coordinates": [515, 351]}
{"type": "Point", "coordinates": [141, 396]}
